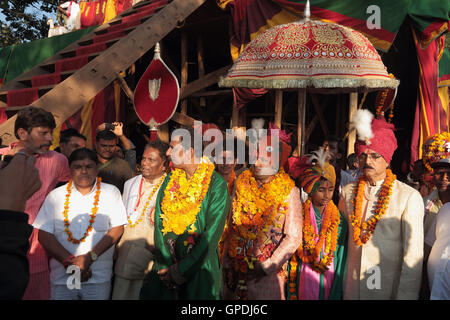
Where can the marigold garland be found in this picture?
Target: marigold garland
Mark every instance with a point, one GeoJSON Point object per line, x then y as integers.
{"type": "Point", "coordinates": [436, 150]}
{"type": "Point", "coordinates": [183, 198]}
{"type": "Point", "coordinates": [362, 231]}
{"type": "Point", "coordinates": [141, 217]}
{"type": "Point", "coordinates": [92, 216]}
{"type": "Point", "coordinates": [309, 250]}
{"type": "Point", "coordinates": [255, 210]}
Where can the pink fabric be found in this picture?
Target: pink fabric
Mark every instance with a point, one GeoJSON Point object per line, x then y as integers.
{"type": "Point", "coordinates": [74, 63]}
{"type": "Point", "coordinates": [383, 141]}
{"type": "Point", "coordinates": [309, 284]}
{"type": "Point", "coordinates": [93, 48]}
{"type": "Point", "coordinates": [46, 79]}
{"type": "Point", "coordinates": [123, 25]}
{"type": "Point", "coordinates": [38, 286]}
{"type": "Point", "coordinates": [53, 168]}
{"type": "Point", "coordinates": [22, 97]}
{"type": "Point", "coordinates": [109, 36]}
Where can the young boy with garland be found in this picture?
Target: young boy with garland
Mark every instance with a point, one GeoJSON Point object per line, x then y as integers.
{"type": "Point", "coordinates": [316, 270]}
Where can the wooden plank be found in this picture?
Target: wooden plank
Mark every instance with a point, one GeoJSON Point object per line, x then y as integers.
{"type": "Point", "coordinates": [184, 68]}
{"type": "Point", "coordinates": [301, 120]}
{"type": "Point", "coordinates": [206, 81]}
{"type": "Point", "coordinates": [319, 112]}
{"type": "Point", "coordinates": [74, 92]}
{"type": "Point", "coordinates": [213, 93]}
{"type": "Point", "coordinates": [353, 105]}
{"type": "Point", "coordinates": [201, 65]}
{"type": "Point", "coordinates": [311, 127]}
{"type": "Point", "coordinates": [278, 107]}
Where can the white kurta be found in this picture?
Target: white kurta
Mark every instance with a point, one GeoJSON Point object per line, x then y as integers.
{"type": "Point", "coordinates": [439, 260]}
{"type": "Point", "coordinates": [389, 265]}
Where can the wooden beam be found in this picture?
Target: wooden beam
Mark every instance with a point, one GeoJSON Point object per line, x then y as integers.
{"type": "Point", "coordinates": [353, 106]}
{"type": "Point", "coordinates": [184, 68]}
{"type": "Point", "coordinates": [319, 112]}
{"type": "Point", "coordinates": [301, 120]}
{"type": "Point", "coordinates": [311, 127]}
{"type": "Point", "coordinates": [204, 82]}
{"type": "Point", "coordinates": [278, 107]}
{"type": "Point", "coordinates": [183, 119]}
{"type": "Point", "coordinates": [163, 132]}
{"type": "Point", "coordinates": [212, 93]}
{"type": "Point", "coordinates": [201, 65]}
{"type": "Point", "coordinates": [123, 84]}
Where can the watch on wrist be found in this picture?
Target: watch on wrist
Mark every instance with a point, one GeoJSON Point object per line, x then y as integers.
{"type": "Point", "coordinates": [93, 255]}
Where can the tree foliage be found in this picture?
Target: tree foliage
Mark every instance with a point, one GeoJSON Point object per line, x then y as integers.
{"type": "Point", "coordinates": [26, 20]}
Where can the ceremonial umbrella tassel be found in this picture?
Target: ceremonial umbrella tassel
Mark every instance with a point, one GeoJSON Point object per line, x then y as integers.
{"type": "Point", "coordinates": [156, 95]}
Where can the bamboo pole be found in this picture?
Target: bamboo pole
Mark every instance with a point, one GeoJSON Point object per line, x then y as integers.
{"type": "Point", "coordinates": [201, 66]}
{"type": "Point", "coordinates": [353, 106]}
{"type": "Point", "coordinates": [184, 69]}
{"type": "Point", "coordinates": [301, 120]}
{"type": "Point", "coordinates": [278, 107]}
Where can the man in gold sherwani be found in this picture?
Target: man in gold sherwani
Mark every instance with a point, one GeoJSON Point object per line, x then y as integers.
{"type": "Point", "coordinates": [385, 219]}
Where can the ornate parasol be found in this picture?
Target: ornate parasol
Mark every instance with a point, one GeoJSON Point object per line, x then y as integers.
{"type": "Point", "coordinates": [313, 55]}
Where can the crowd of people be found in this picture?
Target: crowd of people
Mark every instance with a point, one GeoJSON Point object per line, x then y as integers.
{"type": "Point", "coordinates": [95, 224]}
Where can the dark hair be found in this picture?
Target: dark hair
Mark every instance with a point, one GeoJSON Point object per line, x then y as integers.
{"type": "Point", "coordinates": [190, 141]}
{"type": "Point", "coordinates": [67, 134]}
{"type": "Point", "coordinates": [32, 117]}
{"type": "Point", "coordinates": [81, 154]}
{"type": "Point", "coordinates": [162, 148]}
{"type": "Point", "coordinates": [351, 160]}
{"type": "Point", "coordinates": [105, 135]}
{"type": "Point", "coordinates": [340, 145]}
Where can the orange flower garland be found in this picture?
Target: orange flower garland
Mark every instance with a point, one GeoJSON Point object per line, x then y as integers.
{"type": "Point", "coordinates": [183, 198]}
{"type": "Point", "coordinates": [93, 214]}
{"type": "Point", "coordinates": [362, 231]}
{"type": "Point", "coordinates": [255, 210]}
{"type": "Point", "coordinates": [141, 217]}
{"type": "Point", "coordinates": [309, 251]}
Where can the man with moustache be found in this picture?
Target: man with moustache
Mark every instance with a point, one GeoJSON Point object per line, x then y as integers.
{"type": "Point", "coordinates": [33, 127]}
{"type": "Point", "coordinates": [79, 224]}
{"type": "Point", "coordinates": [190, 213]}
{"type": "Point", "coordinates": [135, 256]}
{"type": "Point", "coordinates": [111, 169]}
{"type": "Point", "coordinates": [385, 217]}
{"type": "Point", "coordinates": [264, 227]}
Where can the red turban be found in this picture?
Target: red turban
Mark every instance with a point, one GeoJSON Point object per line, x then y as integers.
{"type": "Point", "coordinates": [383, 141]}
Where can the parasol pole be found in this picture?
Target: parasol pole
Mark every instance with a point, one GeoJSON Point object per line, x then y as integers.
{"type": "Point", "coordinates": [278, 107]}
{"type": "Point", "coordinates": [353, 106]}
{"type": "Point", "coordinates": [302, 102]}
{"type": "Point", "coordinates": [301, 121]}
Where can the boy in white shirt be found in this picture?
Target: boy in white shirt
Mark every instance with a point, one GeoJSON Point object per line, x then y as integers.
{"type": "Point", "coordinates": [72, 10]}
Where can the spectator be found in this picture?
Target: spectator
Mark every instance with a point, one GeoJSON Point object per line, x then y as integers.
{"type": "Point", "coordinates": [33, 128]}
{"type": "Point", "coordinates": [126, 150]}
{"type": "Point", "coordinates": [112, 170]}
{"type": "Point", "coordinates": [18, 182]}
{"type": "Point", "coordinates": [72, 11]}
{"type": "Point", "coordinates": [70, 140]}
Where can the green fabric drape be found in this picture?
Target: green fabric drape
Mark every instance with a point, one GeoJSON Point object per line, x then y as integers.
{"type": "Point", "coordinates": [19, 58]}
{"type": "Point", "coordinates": [198, 264]}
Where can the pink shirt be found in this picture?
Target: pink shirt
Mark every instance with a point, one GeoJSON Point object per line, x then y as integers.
{"type": "Point", "coordinates": [53, 168]}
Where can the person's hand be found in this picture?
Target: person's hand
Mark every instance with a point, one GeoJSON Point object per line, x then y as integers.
{"type": "Point", "coordinates": [258, 272]}
{"type": "Point", "coordinates": [83, 262]}
{"type": "Point", "coordinates": [19, 180]}
{"type": "Point", "coordinates": [164, 276]}
{"type": "Point", "coordinates": [101, 127]}
{"type": "Point", "coordinates": [118, 129]}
